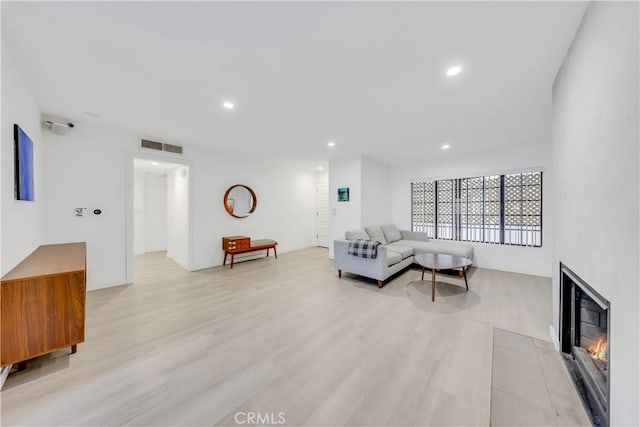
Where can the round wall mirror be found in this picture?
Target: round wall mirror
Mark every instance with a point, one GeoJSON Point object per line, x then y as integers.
{"type": "Point", "coordinates": [240, 201]}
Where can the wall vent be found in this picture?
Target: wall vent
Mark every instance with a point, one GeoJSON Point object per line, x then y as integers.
{"type": "Point", "coordinates": [152, 145]}
{"type": "Point", "coordinates": [173, 148]}
{"type": "Point", "coordinates": [159, 146]}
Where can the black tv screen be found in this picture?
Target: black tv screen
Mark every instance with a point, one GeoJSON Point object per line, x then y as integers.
{"type": "Point", "coordinates": [24, 164]}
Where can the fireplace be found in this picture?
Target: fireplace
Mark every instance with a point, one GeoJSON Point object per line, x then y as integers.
{"type": "Point", "coordinates": [584, 342]}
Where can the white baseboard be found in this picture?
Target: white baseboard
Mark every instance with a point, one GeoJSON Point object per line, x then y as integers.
{"type": "Point", "coordinates": [554, 337]}
{"type": "Point", "coordinates": [4, 373]}
{"type": "Point", "coordinates": [110, 284]}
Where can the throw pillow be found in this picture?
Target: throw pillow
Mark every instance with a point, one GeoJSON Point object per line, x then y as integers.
{"type": "Point", "coordinates": [375, 233]}
{"type": "Point", "coordinates": [356, 234]}
{"type": "Point", "coordinates": [391, 233]}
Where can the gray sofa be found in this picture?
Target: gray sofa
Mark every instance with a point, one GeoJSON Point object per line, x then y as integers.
{"type": "Point", "coordinates": [395, 253]}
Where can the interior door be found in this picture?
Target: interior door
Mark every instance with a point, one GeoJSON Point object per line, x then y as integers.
{"type": "Point", "coordinates": [322, 211]}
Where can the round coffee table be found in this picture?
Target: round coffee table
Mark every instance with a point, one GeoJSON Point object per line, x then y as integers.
{"type": "Point", "coordinates": [438, 262]}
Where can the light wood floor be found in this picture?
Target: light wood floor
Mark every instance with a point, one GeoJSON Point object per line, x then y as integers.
{"type": "Point", "coordinates": [269, 336]}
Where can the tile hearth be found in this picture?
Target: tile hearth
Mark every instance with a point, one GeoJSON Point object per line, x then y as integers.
{"type": "Point", "coordinates": [530, 384]}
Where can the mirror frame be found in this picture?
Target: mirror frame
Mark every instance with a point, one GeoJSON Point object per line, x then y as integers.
{"type": "Point", "coordinates": [253, 206]}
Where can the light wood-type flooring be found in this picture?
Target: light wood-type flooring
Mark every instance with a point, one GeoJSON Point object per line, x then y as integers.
{"type": "Point", "coordinates": [281, 336]}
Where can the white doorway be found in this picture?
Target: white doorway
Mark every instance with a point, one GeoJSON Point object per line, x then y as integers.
{"type": "Point", "coordinates": [322, 209]}
{"type": "Point", "coordinates": [160, 211]}
{"type": "Point", "coordinates": [149, 208]}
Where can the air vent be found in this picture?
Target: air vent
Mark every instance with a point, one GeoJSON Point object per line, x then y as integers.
{"type": "Point", "coordinates": [152, 145]}
{"type": "Point", "coordinates": [159, 146]}
{"type": "Point", "coordinates": [173, 148]}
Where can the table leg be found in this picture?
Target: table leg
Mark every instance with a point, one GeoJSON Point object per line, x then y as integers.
{"type": "Point", "coordinates": [232, 258]}
{"type": "Point", "coordinates": [225, 258]}
{"type": "Point", "coordinates": [433, 285]}
{"type": "Point", "coordinates": [267, 252]}
{"type": "Point", "coordinates": [275, 254]}
{"type": "Point", "coordinates": [464, 273]}
{"type": "Point", "coordinates": [74, 348]}
{"type": "Point", "coordinates": [422, 273]}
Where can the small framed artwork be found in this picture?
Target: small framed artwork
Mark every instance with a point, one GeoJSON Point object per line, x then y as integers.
{"type": "Point", "coordinates": [343, 194]}
{"type": "Point", "coordinates": [230, 205]}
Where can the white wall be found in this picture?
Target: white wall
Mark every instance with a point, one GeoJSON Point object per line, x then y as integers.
{"type": "Point", "coordinates": [285, 204]}
{"type": "Point", "coordinates": [21, 221]}
{"type": "Point", "coordinates": [368, 182]}
{"type": "Point", "coordinates": [526, 260]}
{"type": "Point", "coordinates": [155, 213]}
{"type": "Point", "coordinates": [344, 172]}
{"type": "Point", "coordinates": [89, 167]}
{"type": "Point", "coordinates": [376, 208]}
{"type": "Point", "coordinates": [595, 160]}
{"type": "Point", "coordinates": [86, 168]}
{"type": "Point", "coordinates": [177, 215]}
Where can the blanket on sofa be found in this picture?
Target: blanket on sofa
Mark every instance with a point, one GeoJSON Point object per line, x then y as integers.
{"type": "Point", "coordinates": [363, 248]}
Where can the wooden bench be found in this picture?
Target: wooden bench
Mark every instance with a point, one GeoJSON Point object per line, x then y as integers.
{"type": "Point", "coordinates": [234, 245]}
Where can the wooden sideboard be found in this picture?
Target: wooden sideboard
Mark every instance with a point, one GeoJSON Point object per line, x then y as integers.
{"type": "Point", "coordinates": [234, 245]}
{"type": "Point", "coordinates": [42, 303]}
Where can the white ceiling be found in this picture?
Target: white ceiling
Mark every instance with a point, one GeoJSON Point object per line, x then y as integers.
{"type": "Point", "coordinates": [369, 76]}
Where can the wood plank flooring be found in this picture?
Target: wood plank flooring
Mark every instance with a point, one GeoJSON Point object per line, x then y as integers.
{"type": "Point", "coordinates": [286, 335]}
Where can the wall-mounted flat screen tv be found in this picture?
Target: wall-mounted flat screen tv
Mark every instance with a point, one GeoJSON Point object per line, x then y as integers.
{"type": "Point", "coordinates": [24, 164]}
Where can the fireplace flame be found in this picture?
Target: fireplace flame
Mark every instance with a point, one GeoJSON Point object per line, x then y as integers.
{"type": "Point", "coordinates": [599, 349]}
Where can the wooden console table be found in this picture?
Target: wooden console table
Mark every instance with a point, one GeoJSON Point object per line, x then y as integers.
{"type": "Point", "coordinates": [42, 303]}
{"type": "Point", "coordinates": [234, 245]}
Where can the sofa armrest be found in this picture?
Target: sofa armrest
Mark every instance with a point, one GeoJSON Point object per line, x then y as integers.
{"type": "Point", "coordinates": [373, 268]}
{"type": "Point", "coordinates": [414, 235]}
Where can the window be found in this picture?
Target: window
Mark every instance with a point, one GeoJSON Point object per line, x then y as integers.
{"type": "Point", "coordinates": [504, 209]}
{"type": "Point", "coordinates": [480, 209]}
{"type": "Point", "coordinates": [445, 209]}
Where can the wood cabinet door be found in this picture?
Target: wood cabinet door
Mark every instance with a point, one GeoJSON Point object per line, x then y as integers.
{"type": "Point", "coordinates": [41, 314]}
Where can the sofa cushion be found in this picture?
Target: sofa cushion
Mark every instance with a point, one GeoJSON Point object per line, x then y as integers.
{"type": "Point", "coordinates": [439, 246]}
{"type": "Point", "coordinates": [391, 233]}
{"type": "Point", "coordinates": [356, 234]}
{"type": "Point", "coordinates": [393, 258]}
{"type": "Point", "coordinates": [404, 251]}
{"type": "Point", "coordinates": [375, 233]}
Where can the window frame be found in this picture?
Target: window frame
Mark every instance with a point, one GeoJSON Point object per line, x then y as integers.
{"type": "Point", "coordinates": [460, 224]}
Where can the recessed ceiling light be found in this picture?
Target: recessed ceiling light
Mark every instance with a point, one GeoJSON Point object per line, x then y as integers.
{"type": "Point", "coordinates": [155, 163]}
{"type": "Point", "coordinates": [331, 144]}
{"type": "Point", "coordinates": [320, 168]}
{"type": "Point", "coordinates": [455, 70]}
{"type": "Point", "coordinates": [228, 105]}
{"type": "Point", "coordinates": [445, 146]}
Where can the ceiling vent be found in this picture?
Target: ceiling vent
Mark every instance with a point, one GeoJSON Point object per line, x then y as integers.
{"type": "Point", "coordinates": [159, 146]}
{"type": "Point", "coordinates": [172, 148]}
{"type": "Point", "coordinates": [151, 145]}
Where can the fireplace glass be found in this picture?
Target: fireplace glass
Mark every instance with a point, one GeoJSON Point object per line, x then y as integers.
{"type": "Point", "coordinates": [584, 341]}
